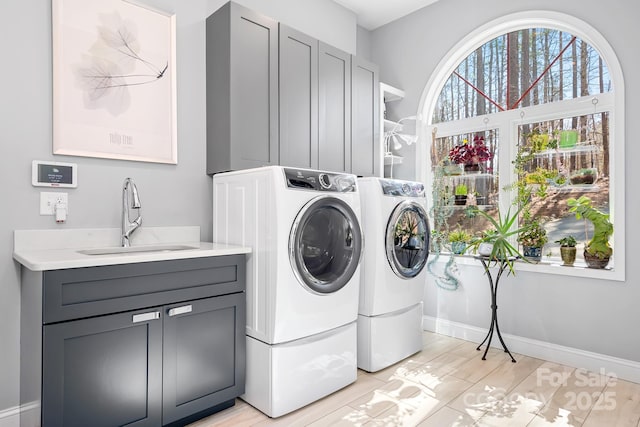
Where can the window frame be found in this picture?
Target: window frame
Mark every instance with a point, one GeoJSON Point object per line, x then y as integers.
{"type": "Point", "coordinates": [507, 123]}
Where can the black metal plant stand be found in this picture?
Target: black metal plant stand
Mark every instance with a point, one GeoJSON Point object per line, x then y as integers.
{"type": "Point", "coordinates": [493, 285]}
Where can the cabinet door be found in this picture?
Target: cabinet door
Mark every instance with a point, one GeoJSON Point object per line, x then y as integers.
{"type": "Point", "coordinates": [254, 87]}
{"type": "Point", "coordinates": [366, 159]}
{"type": "Point", "coordinates": [242, 89]}
{"type": "Point", "coordinates": [298, 99]}
{"type": "Point", "coordinates": [204, 354]}
{"type": "Point", "coordinates": [103, 371]}
{"type": "Point", "coordinates": [335, 109]}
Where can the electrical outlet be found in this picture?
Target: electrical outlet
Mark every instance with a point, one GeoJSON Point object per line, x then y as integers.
{"type": "Point", "coordinates": [48, 202]}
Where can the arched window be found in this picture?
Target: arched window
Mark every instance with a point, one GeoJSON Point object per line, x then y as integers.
{"type": "Point", "coordinates": [526, 108]}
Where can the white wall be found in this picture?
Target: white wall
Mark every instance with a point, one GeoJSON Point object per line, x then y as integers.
{"type": "Point", "coordinates": [171, 195]}
{"type": "Point", "coordinates": [592, 315]}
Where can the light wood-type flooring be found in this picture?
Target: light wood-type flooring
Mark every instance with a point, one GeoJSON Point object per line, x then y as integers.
{"type": "Point", "coordinates": [448, 384]}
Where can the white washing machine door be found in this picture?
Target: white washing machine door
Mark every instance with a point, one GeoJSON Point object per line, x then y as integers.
{"type": "Point", "coordinates": [325, 244]}
{"type": "Point", "coordinates": [407, 239]}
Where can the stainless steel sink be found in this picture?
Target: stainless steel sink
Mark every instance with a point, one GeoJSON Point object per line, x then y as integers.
{"type": "Point", "coordinates": [136, 249]}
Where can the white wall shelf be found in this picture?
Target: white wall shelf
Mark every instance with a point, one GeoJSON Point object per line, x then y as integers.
{"type": "Point", "coordinates": [388, 93]}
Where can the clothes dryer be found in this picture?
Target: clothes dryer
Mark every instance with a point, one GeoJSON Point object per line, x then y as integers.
{"type": "Point", "coordinates": [303, 279]}
{"type": "Point", "coordinates": [396, 226]}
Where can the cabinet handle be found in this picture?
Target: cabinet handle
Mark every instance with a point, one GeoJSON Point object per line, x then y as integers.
{"type": "Point", "coordinates": [180, 310]}
{"type": "Point", "coordinates": [143, 317]}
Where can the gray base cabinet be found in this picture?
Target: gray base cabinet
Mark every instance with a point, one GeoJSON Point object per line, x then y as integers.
{"type": "Point", "coordinates": [146, 344]}
{"type": "Point", "coordinates": [104, 371]}
{"type": "Point", "coordinates": [200, 357]}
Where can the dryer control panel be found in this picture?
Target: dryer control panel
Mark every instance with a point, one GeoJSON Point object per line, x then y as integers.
{"type": "Point", "coordinates": [395, 187]}
{"type": "Point", "coordinates": [305, 179]}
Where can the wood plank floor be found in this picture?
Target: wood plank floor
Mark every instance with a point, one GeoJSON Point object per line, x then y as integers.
{"type": "Point", "coordinates": [448, 384]}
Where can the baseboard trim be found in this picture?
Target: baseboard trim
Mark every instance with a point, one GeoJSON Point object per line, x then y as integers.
{"type": "Point", "coordinates": [29, 412]}
{"type": "Point", "coordinates": [595, 362]}
{"type": "Point", "coordinates": [10, 417]}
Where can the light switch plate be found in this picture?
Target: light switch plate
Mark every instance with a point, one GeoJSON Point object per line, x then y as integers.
{"type": "Point", "coordinates": [48, 202]}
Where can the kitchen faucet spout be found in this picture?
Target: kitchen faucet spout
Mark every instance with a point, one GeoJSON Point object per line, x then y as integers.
{"type": "Point", "coordinates": [130, 200]}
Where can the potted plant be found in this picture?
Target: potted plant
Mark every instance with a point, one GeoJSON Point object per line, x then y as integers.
{"type": "Point", "coordinates": [584, 176]}
{"type": "Point", "coordinates": [460, 193]}
{"type": "Point", "coordinates": [567, 250]}
{"type": "Point", "coordinates": [533, 239]}
{"type": "Point", "coordinates": [470, 154]}
{"type": "Point", "coordinates": [597, 251]}
{"type": "Point", "coordinates": [537, 141]}
{"type": "Point", "coordinates": [499, 236]}
{"type": "Point", "coordinates": [568, 138]}
{"type": "Point", "coordinates": [459, 240]}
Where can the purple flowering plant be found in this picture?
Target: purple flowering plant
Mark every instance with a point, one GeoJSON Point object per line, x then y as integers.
{"type": "Point", "coordinates": [469, 153]}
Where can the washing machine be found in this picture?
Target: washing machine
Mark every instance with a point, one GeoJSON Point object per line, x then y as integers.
{"type": "Point", "coordinates": [395, 223]}
{"type": "Point", "coordinates": [303, 278]}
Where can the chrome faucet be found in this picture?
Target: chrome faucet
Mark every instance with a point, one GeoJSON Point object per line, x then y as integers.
{"type": "Point", "coordinates": [129, 192]}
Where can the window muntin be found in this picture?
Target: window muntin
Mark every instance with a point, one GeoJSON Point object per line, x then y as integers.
{"type": "Point", "coordinates": [531, 66]}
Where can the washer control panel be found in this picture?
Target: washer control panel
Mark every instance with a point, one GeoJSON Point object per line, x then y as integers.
{"type": "Point", "coordinates": [305, 179]}
{"type": "Point", "coordinates": [396, 187]}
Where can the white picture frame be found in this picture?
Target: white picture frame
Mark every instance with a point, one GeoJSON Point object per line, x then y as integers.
{"type": "Point", "coordinates": [114, 81]}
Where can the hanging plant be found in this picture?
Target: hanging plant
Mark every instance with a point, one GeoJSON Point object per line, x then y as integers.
{"type": "Point", "coordinates": [440, 211]}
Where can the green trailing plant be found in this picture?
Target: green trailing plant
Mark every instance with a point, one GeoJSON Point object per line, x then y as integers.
{"type": "Point", "coordinates": [602, 228]}
{"type": "Point", "coordinates": [440, 212]}
{"type": "Point", "coordinates": [532, 230]}
{"type": "Point", "coordinates": [535, 178]}
{"type": "Point", "coordinates": [567, 242]}
{"type": "Point", "coordinates": [541, 176]}
{"type": "Point", "coordinates": [500, 236]}
{"type": "Point", "coordinates": [524, 192]}
{"type": "Point", "coordinates": [553, 142]}
{"type": "Point", "coordinates": [541, 192]}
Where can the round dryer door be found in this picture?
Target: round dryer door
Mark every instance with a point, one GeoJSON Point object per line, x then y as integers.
{"type": "Point", "coordinates": [407, 239]}
{"type": "Point", "coordinates": [325, 244]}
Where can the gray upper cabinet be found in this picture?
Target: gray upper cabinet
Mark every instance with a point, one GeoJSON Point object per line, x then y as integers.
{"type": "Point", "coordinates": [298, 99]}
{"type": "Point", "coordinates": [242, 89]}
{"type": "Point", "coordinates": [335, 109]}
{"type": "Point", "coordinates": [365, 127]}
{"type": "Point", "coordinates": [276, 96]}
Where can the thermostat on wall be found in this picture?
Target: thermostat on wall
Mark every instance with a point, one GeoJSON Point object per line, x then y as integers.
{"type": "Point", "coordinates": [54, 174]}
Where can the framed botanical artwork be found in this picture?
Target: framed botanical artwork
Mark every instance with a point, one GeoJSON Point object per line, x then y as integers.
{"type": "Point", "coordinates": [114, 81]}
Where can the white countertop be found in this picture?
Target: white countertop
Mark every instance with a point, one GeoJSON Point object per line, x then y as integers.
{"type": "Point", "coordinates": [40, 250]}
